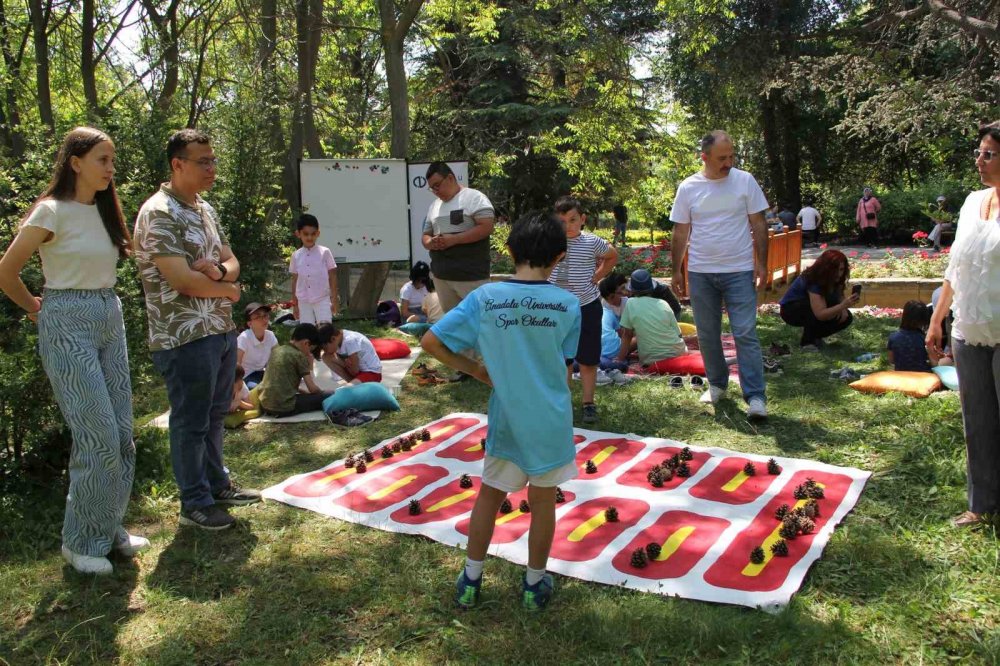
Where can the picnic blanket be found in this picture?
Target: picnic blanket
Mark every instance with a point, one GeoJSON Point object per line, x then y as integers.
{"type": "Point", "coordinates": [393, 372]}
{"type": "Point", "coordinates": [698, 531]}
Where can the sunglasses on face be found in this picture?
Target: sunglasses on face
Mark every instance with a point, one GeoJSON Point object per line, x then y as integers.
{"type": "Point", "coordinates": [987, 155]}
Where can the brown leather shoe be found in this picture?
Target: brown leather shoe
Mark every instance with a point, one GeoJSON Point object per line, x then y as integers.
{"type": "Point", "coordinates": [967, 519]}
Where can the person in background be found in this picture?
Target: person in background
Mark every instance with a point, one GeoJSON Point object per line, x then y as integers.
{"type": "Point", "coordinates": [816, 300]}
{"type": "Point", "coordinates": [254, 345]}
{"type": "Point", "coordinates": [906, 347]}
{"type": "Point", "coordinates": [810, 222]}
{"type": "Point", "coordinates": [243, 407]}
{"type": "Point", "coordinates": [620, 235]}
{"type": "Point", "coordinates": [787, 217]}
{"type": "Point", "coordinates": [279, 394]}
{"type": "Point", "coordinates": [415, 292]}
{"type": "Point", "coordinates": [350, 355]}
{"type": "Point", "coordinates": [866, 216]}
{"type": "Point", "coordinates": [942, 222]}
{"type": "Point", "coordinates": [77, 228]}
{"type": "Point", "coordinates": [314, 275]}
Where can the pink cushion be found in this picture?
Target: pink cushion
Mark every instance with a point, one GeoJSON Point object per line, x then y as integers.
{"type": "Point", "coordinates": [685, 364]}
{"type": "Point", "coordinates": [389, 348]}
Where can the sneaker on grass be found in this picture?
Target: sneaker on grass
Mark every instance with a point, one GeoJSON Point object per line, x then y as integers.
{"type": "Point", "coordinates": [235, 495]}
{"type": "Point", "coordinates": [712, 395]}
{"type": "Point", "coordinates": [86, 564]}
{"type": "Point", "coordinates": [208, 518]}
{"type": "Point", "coordinates": [536, 597]}
{"type": "Point", "coordinates": [130, 544]}
{"type": "Point", "coordinates": [467, 591]}
{"type": "Point", "coordinates": [757, 409]}
{"type": "Point", "coordinates": [590, 413]}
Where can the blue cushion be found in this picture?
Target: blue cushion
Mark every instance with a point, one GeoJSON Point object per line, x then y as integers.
{"type": "Point", "coordinates": [362, 397]}
{"type": "Point", "coordinates": [948, 375]}
{"type": "Point", "coordinates": [415, 328]}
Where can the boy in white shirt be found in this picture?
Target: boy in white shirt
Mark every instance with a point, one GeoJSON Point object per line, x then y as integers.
{"type": "Point", "coordinates": [314, 275]}
{"type": "Point", "coordinates": [350, 355]}
{"type": "Point", "coordinates": [809, 221]}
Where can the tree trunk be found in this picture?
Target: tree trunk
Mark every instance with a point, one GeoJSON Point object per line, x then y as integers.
{"type": "Point", "coordinates": [165, 27]}
{"type": "Point", "coordinates": [87, 66]}
{"type": "Point", "coordinates": [10, 131]}
{"type": "Point", "coordinates": [790, 151]}
{"type": "Point", "coordinates": [40, 12]}
{"type": "Point", "coordinates": [265, 52]}
{"type": "Point", "coordinates": [772, 148]}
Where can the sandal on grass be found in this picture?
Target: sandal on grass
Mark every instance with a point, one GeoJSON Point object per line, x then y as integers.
{"type": "Point", "coordinates": [430, 379]}
{"type": "Point", "coordinates": [967, 519]}
{"type": "Point", "coordinates": [421, 370]}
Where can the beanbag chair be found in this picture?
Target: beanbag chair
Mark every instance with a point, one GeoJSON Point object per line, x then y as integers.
{"type": "Point", "coordinates": [916, 384]}
{"type": "Point", "coordinates": [687, 329]}
{"type": "Point", "coordinates": [415, 328]}
{"type": "Point", "coordinates": [685, 364]}
{"type": "Point", "coordinates": [362, 397]}
{"type": "Point", "coordinates": [390, 348]}
{"type": "Point", "coordinates": [948, 375]}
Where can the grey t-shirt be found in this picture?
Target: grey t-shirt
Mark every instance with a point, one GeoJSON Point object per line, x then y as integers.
{"type": "Point", "coordinates": [467, 262]}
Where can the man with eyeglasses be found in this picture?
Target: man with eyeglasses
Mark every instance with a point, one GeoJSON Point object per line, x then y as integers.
{"type": "Point", "coordinates": [189, 274]}
{"type": "Point", "coordinates": [457, 233]}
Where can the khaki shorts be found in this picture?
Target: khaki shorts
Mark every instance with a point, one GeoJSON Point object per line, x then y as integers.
{"type": "Point", "coordinates": [508, 477]}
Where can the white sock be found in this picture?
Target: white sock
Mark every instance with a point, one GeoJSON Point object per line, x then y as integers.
{"type": "Point", "coordinates": [473, 569]}
{"type": "Point", "coordinates": [532, 576]}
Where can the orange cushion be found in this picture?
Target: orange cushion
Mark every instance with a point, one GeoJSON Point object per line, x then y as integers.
{"type": "Point", "coordinates": [917, 384]}
{"type": "Point", "coordinates": [389, 348]}
{"type": "Point", "coordinates": [686, 364]}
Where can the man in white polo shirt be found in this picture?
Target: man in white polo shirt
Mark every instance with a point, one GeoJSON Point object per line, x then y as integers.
{"type": "Point", "coordinates": [716, 209]}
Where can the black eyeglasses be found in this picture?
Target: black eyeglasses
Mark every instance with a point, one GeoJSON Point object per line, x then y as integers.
{"type": "Point", "coordinates": [987, 155]}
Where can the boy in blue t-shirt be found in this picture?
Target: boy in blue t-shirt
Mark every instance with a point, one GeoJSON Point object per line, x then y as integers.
{"type": "Point", "coordinates": [525, 329]}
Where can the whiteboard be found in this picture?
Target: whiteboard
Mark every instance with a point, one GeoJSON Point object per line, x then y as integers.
{"type": "Point", "coordinates": [421, 199]}
{"type": "Point", "coordinates": [361, 207]}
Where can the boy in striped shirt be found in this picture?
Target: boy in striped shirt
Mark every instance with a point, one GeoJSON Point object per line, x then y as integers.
{"type": "Point", "coordinates": [588, 259]}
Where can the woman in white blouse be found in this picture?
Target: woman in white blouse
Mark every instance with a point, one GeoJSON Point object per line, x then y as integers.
{"type": "Point", "coordinates": [77, 228]}
{"type": "Point", "coordinates": [971, 290]}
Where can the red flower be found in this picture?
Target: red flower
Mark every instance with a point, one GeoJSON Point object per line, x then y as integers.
{"type": "Point", "coordinates": [823, 246]}
{"type": "Point", "coordinates": [852, 254]}
{"type": "Point", "coordinates": [866, 256]}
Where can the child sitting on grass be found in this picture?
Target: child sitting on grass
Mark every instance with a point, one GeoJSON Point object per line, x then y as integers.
{"type": "Point", "coordinates": [350, 355]}
{"type": "Point", "coordinates": [906, 346]}
{"type": "Point", "coordinates": [290, 365]}
{"type": "Point", "coordinates": [530, 438]}
{"type": "Point", "coordinates": [415, 292]}
{"type": "Point", "coordinates": [651, 321]}
{"type": "Point", "coordinates": [242, 408]}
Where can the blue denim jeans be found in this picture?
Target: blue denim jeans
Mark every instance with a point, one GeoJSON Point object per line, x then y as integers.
{"type": "Point", "coordinates": [199, 377]}
{"type": "Point", "coordinates": [708, 292]}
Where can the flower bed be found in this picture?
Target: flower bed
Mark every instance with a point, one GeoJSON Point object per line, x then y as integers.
{"type": "Point", "coordinates": [902, 263]}
{"type": "Point", "coordinates": [654, 258]}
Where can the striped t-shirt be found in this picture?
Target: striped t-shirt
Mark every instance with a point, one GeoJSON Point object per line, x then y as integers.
{"type": "Point", "coordinates": [575, 273]}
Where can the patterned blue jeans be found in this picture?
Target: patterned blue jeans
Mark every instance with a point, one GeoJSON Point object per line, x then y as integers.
{"type": "Point", "coordinates": [81, 339]}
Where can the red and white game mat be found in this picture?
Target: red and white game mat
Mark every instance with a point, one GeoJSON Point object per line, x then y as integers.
{"type": "Point", "coordinates": [693, 534]}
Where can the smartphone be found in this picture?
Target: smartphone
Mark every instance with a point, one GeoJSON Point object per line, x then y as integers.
{"type": "Point", "coordinates": [457, 217]}
{"type": "Point", "coordinates": [856, 290]}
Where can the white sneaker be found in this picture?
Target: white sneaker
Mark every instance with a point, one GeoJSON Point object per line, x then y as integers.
{"type": "Point", "coordinates": [132, 546]}
{"type": "Point", "coordinates": [619, 377]}
{"type": "Point", "coordinates": [603, 379]}
{"type": "Point", "coordinates": [712, 395]}
{"type": "Point", "coordinates": [86, 564]}
{"type": "Point", "coordinates": [757, 409]}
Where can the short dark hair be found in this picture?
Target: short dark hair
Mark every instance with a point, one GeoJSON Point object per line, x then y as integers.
{"type": "Point", "coordinates": [620, 212]}
{"type": "Point", "coordinates": [916, 316]}
{"type": "Point", "coordinates": [306, 220]}
{"type": "Point", "coordinates": [991, 130]}
{"type": "Point", "coordinates": [609, 285]}
{"type": "Point", "coordinates": [536, 239]}
{"type": "Point", "coordinates": [711, 138]}
{"type": "Point", "coordinates": [566, 204]}
{"type": "Point", "coordinates": [179, 141]}
{"type": "Point", "coordinates": [327, 332]}
{"type": "Point", "coordinates": [420, 271]}
{"type": "Point", "coordinates": [240, 372]}
{"type": "Point", "coordinates": [307, 332]}
{"type": "Point", "coordinates": [440, 168]}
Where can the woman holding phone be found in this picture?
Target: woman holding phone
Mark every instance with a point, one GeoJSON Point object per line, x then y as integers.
{"type": "Point", "coordinates": [816, 300]}
{"type": "Point", "coordinates": [77, 227]}
{"type": "Point", "coordinates": [971, 290]}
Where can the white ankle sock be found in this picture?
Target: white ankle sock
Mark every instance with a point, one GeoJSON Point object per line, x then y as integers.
{"type": "Point", "coordinates": [473, 569]}
{"type": "Point", "coordinates": [532, 576]}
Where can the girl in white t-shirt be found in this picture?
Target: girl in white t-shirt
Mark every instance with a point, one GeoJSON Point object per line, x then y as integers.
{"type": "Point", "coordinates": [77, 228]}
{"type": "Point", "coordinates": [255, 344]}
{"type": "Point", "coordinates": [415, 292]}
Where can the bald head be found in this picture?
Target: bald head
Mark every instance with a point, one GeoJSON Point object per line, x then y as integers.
{"type": "Point", "coordinates": [718, 154]}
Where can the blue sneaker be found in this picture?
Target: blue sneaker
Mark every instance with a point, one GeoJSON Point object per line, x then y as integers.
{"type": "Point", "coordinates": [467, 591]}
{"type": "Point", "coordinates": [536, 597]}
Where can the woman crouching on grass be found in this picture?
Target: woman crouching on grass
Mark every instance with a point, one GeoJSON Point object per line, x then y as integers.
{"type": "Point", "coordinates": [816, 300]}
{"type": "Point", "coordinates": [77, 228]}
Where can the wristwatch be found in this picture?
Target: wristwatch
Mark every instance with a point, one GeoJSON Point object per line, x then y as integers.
{"type": "Point", "coordinates": [222, 269]}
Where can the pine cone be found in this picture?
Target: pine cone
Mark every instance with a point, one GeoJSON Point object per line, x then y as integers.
{"type": "Point", "coordinates": [523, 507]}
{"type": "Point", "coordinates": [686, 454]}
{"type": "Point", "coordinates": [349, 462]}
{"type": "Point", "coordinates": [750, 469]}
{"type": "Point", "coordinates": [667, 473]}
{"type": "Point", "coordinates": [782, 511]}
{"type": "Point", "coordinates": [816, 493]}
{"type": "Point", "coordinates": [465, 481]}
{"type": "Point", "coordinates": [801, 492]}
{"type": "Point", "coordinates": [773, 467]}
{"type": "Point", "coordinates": [653, 550]}
{"type": "Point", "coordinates": [591, 467]}
{"type": "Point", "coordinates": [404, 443]}
{"type": "Point", "coordinates": [656, 478]}
{"type": "Point", "coordinates": [806, 525]}
{"type": "Point", "coordinates": [415, 507]}
{"type": "Point", "coordinates": [611, 514]}
{"type": "Point", "coordinates": [369, 456]}
{"type": "Point", "coordinates": [683, 470]}
{"type": "Point", "coordinates": [397, 446]}
{"type": "Point", "coordinates": [361, 467]}
{"type": "Point", "coordinates": [810, 482]}
{"type": "Point", "coordinates": [425, 435]}
{"type": "Point", "coordinates": [506, 506]}
{"type": "Point", "coordinates": [673, 461]}
{"type": "Point", "coordinates": [780, 548]}
{"type": "Point", "coordinates": [387, 451]}
{"type": "Point", "coordinates": [653, 471]}
{"type": "Point", "coordinates": [639, 558]}
{"type": "Point", "coordinates": [414, 440]}
{"type": "Point", "coordinates": [811, 509]}
{"type": "Point", "coordinates": [757, 555]}
{"type": "Point", "coordinates": [789, 528]}
{"type": "Point", "coordinates": [482, 442]}
{"type": "Point", "coordinates": [560, 497]}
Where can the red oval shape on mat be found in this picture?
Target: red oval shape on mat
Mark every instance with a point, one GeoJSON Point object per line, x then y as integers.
{"type": "Point", "coordinates": [727, 483]}
{"type": "Point", "coordinates": [443, 503]}
{"type": "Point", "coordinates": [608, 454]}
{"type": "Point", "coordinates": [395, 485]}
{"type": "Point", "coordinates": [584, 532]}
{"type": "Point", "coordinates": [636, 475]}
{"type": "Point", "coordinates": [683, 537]}
{"type": "Point", "coordinates": [467, 449]}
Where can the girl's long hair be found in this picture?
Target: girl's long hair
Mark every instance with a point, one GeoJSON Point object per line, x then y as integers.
{"type": "Point", "coordinates": [62, 187]}
{"type": "Point", "coordinates": [825, 272]}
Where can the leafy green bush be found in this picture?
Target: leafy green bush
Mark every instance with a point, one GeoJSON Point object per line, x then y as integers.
{"type": "Point", "coordinates": [903, 210]}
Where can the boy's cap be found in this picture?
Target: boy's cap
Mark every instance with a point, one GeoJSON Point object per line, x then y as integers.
{"type": "Point", "coordinates": [253, 307]}
{"type": "Point", "coordinates": [641, 281]}
{"type": "Point", "coordinates": [942, 198]}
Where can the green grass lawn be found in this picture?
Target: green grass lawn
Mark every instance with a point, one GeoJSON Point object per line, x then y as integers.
{"type": "Point", "coordinates": [895, 585]}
